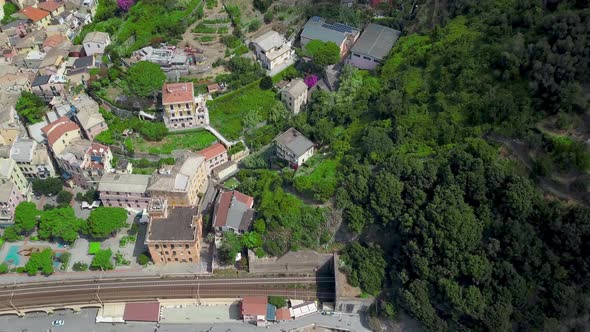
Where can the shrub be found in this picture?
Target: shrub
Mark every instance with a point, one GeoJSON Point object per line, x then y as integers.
{"type": "Point", "coordinates": [64, 197]}
{"type": "Point", "coordinates": [254, 25]}
{"type": "Point", "coordinates": [266, 83]}
{"type": "Point", "coordinates": [277, 301]}
{"type": "Point", "coordinates": [3, 268]}
{"type": "Point", "coordinates": [143, 259]}
{"type": "Point", "coordinates": [268, 17]}
{"type": "Point", "coordinates": [79, 266]}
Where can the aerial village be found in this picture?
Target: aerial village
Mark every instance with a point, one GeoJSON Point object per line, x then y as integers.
{"type": "Point", "coordinates": [146, 177]}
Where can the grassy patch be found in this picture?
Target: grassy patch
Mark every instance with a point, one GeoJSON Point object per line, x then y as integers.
{"type": "Point", "coordinates": [319, 179]}
{"type": "Point", "coordinates": [231, 183]}
{"type": "Point", "coordinates": [206, 39]}
{"type": "Point", "coordinates": [226, 112]}
{"type": "Point", "coordinates": [93, 247]}
{"type": "Point", "coordinates": [211, 4]}
{"type": "Point", "coordinates": [192, 140]}
{"type": "Point", "coordinates": [202, 28]}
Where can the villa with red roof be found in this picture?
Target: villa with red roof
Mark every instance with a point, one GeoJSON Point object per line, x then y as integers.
{"type": "Point", "coordinates": [84, 163]}
{"type": "Point", "coordinates": [182, 110]}
{"type": "Point", "coordinates": [233, 212]}
{"type": "Point", "coordinates": [215, 155]}
{"type": "Point", "coordinates": [37, 16]}
{"type": "Point", "coordinates": [54, 8]}
{"type": "Point", "coordinates": [60, 134]}
{"type": "Point", "coordinates": [254, 309]}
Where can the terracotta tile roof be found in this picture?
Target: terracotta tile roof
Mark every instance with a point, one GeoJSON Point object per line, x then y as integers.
{"type": "Point", "coordinates": [283, 314]}
{"type": "Point", "coordinates": [57, 128]}
{"type": "Point", "coordinates": [241, 216]}
{"type": "Point", "coordinates": [176, 93]}
{"type": "Point", "coordinates": [49, 5]}
{"type": "Point", "coordinates": [254, 306]}
{"type": "Point", "coordinates": [34, 14]}
{"type": "Point", "coordinates": [213, 151]}
{"type": "Point", "coordinates": [142, 312]}
{"type": "Point", "coordinates": [53, 41]}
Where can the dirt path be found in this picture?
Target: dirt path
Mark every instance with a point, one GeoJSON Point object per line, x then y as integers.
{"type": "Point", "coordinates": [520, 151]}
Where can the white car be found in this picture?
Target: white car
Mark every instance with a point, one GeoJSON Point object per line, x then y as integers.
{"type": "Point", "coordinates": [58, 322]}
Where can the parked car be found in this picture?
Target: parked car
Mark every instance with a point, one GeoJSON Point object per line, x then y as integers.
{"type": "Point", "coordinates": [58, 322]}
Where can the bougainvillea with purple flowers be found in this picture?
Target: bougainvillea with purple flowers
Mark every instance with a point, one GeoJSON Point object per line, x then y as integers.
{"type": "Point", "coordinates": [311, 81]}
{"type": "Point", "coordinates": [124, 5]}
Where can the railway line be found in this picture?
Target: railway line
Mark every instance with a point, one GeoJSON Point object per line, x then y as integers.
{"type": "Point", "coordinates": [63, 293]}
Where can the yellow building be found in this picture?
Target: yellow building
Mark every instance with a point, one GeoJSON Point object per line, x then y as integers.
{"type": "Point", "coordinates": [9, 171]}
{"type": "Point", "coordinates": [181, 109]}
{"type": "Point", "coordinates": [182, 183]}
{"type": "Point", "coordinates": [38, 16]}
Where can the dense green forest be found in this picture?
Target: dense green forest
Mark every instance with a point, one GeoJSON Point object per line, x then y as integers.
{"type": "Point", "coordinates": [449, 230]}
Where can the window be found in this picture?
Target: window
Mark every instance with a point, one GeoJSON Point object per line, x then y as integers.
{"type": "Point", "coordinates": [169, 259]}
{"type": "Point", "coordinates": [165, 246]}
{"type": "Point", "coordinates": [190, 259]}
{"type": "Point", "coordinates": [157, 246]}
{"type": "Point", "coordinates": [174, 253]}
{"type": "Point", "coordinates": [166, 252]}
{"type": "Point", "coordinates": [176, 259]}
{"type": "Point", "coordinates": [171, 246]}
{"type": "Point", "coordinates": [186, 246]}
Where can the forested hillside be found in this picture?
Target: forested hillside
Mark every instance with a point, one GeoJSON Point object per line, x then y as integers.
{"type": "Point", "coordinates": [451, 231]}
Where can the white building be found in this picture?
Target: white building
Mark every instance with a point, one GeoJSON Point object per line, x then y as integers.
{"type": "Point", "coordinates": [272, 49]}
{"type": "Point", "coordinates": [293, 147]}
{"type": "Point", "coordinates": [32, 159]}
{"type": "Point", "coordinates": [95, 42]}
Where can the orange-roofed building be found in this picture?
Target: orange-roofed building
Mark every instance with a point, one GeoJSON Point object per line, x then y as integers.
{"type": "Point", "coordinates": [254, 309]}
{"type": "Point", "coordinates": [38, 16]}
{"type": "Point", "coordinates": [182, 110]}
{"type": "Point", "coordinates": [52, 42]}
{"type": "Point", "coordinates": [60, 133]}
{"type": "Point", "coordinates": [54, 8]}
{"type": "Point", "coordinates": [215, 155]}
{"type": "Point", "coordinates": [283, 314]}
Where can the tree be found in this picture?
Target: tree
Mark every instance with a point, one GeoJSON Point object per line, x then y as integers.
{"type": "Point", "coordinates": [251, 240]}
{"type": "Point", "coordinates": [3, 268]}
{"type": "Point", "coordinates": [40, 261]}
{"type": "Point", "coordinates": [11, 234]}
{"type": "Point", "coordinates": [231, 245]}
{"type": "Point", "coordinates": [64, 197]}
{"type": "Point", "coordinates": [367, 267]}
{"type": "Point", "coordinates": [125, 5]}
{"type": "Point", "coordinates": [143, 259]}
{"type": "Point", "coordinates": [153, 131]}
{"type": "Point", "coordinates": [266, 83]}
{"type": "Point", "coordinates": [104, 221]}
{"type": "Point", "coordinates": [145, 78]}
{"type": "Point", "coordinates": [102, 260]}
{"type": "Point", "coordinates": [323, 53]}
{"type": "Point", "coordinates": [47, 187]}
{"type": "Point", "coordinates": [277, 112]}
{"type": "Point", "coordinates": [262, 5]}
{"type": "Point", "coordinates": [277, 301]}
{"type": "Point", "coordinates": [79, 266]}
{"type": "Point", "coordinates": [311, 80]}
{"type": "Point", "coordinates": [251, 119]}
{"type": "Point", "coordinates": [60, 223]}
{"type": "Point", "coordinates": [31, 107]}
{"type": "Point", "coordinates": [25, 216]}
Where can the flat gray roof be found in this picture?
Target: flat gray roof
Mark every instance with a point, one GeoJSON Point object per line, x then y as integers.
{"type": "Point", "coordinates": [376, 41]}
{"type": "Point", "coordinates": [127, 183]}
{"type": "Point", "coordinates": [317, 28]}
{"type": "Point", "coordinates": [294, 141]}
{"type": "Point", "coordinates": [177, 227]}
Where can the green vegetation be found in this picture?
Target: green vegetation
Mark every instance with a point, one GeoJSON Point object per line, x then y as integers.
{"type": "Point", "coordinates": [127, 239]}
{"type": "Point", "coordinates": [318, 181]}
{"type": "Point", "coordinates": [60, 223]}
{"type": "Point", "coordinates": [120, 259]}
{"type": "Point", "coordinates": [243, 72]}
{"type": "Point", "coordinates": [289, 224]}
{"type": "Point", "coordinates": [26, 216]}
{"type": "Point", "coordinates": [64, 198]}
{"type": "Point", "coordinates": [216, 21]}
{"type": "Point", "coordinates": [206, 39]}
{"type": "Point", "coordinates": [192, 140]}
{"type": "Point", "coordinates": [145, 79]}
{"type": "Point", "coordinates": [238, 147]}
{"type": "Point", "coordinates": [3, 268]}
{"type": "Point", "coordinates": [79, 266]}
{"type": "Point", "coordinates": [226, 112]}
{"type": "Point", "coordinates": [9, 9]}
{"type": "Point", "coordinates": [202, 28]}
{"type": "Point", "coordinates": [89, 196]}
{"type": "Point", "coordinates": [47, 187]}
{"type": "Point", "coordinates": [40, 261]}
{"type": "Point", "coordinates": [102, 260]}
{"type": "Point", "coordinates": [266, 83]}
{"type": "Point", "coordinates": [30, 107]}
{"type": "Point", "coordinates": [231, 183]}
{"type": "Point", "coordinates": [277, 301]}
{"type": "Point", "coordinates": [105, 221]}
{"type": "Point", "coordinates": [64, 259]}
{"type": "Point", "coordinates": [323, 53]}
{"type": "Point", "coordinates": [152, 131]}
{"type": "Point", "coordinates": [143, 259]}
{"type": "Point", "coordinates": [146, 22]}
{"type": "Point", "coordinates": [94, 247]}
{"type": "Point", "coordinates": [211, 4]}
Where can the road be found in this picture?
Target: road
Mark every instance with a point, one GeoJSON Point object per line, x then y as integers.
{"type": "Point", "coordinates": [84, 321]}
{"type": "Point", "coordinates": [76, 292]}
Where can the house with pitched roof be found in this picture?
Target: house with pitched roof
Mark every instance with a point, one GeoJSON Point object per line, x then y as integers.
{"type": "Point", "coordinates": [272, 50]}
{"type": "Point", "coordinates": [36, 16]}
{"type": "Point", "coordinates": [373, 46]}
{"type": "Point", "coordinates": [48, 86]}
{"type": "Point", "coordinates": [95, 42]}
{"type": "Point", "coordinates": [60, 134]}
{"type": "Point", "coordinates": [215, 155]}
{"type": "Point", "coordinates": [318, 28]}
{"type": "Point", "coordinates": [294, 95]}
{"type": "Point", "coordinates": [53, 7]}
{"type": "Point", "coordinates": [293, 147]}
{"type": "Point", "coordinates": [88, 116]}
{"type": "Point", "coordinates": [182, 110]}
{"type": "Point", "coordinates": [233, 212]}
{"type": "Point", "coordinates": [253, 309]}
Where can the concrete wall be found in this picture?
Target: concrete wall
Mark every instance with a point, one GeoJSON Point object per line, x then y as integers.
{"type": "Point", "coordinates": [305, 261]}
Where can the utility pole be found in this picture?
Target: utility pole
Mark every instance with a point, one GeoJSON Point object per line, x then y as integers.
{"type": "Point", "coordinates": [12, 304]}
{"type": "Point", "coordinates": [98, 297]}
{"type": "Point", "coordinates": [198, 291]}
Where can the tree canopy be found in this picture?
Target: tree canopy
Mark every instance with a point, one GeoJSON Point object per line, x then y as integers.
{"type": "Point", "coordinates": [102, 260]}
{"type": "Point", "coordinates": [31, 107]}
{"type": "Point", "coordinates": [42, 260]}
{"type": "Point", "coordinates": [104, 221]}
{"type": "Point", "coordinates": [25, 216]}
{"type": "Point", "coordinates": [60, 223]}
{"type": "Point", "coordinates": [323, 53]}
{"type": "Point", "coordinates": [47, 187]}
{"type": "Point", "coordinates": [145, 78]}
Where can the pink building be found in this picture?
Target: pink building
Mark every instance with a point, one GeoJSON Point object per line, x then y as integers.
{"type": "Point", "coordinates": [215, 155]}
{"type": "Point", "coordinates": [84, 163]}
{"type": "Point", "coordinates": [10, 197]}
{"type": "Point", "coordinates": [127, 191]}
